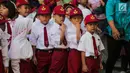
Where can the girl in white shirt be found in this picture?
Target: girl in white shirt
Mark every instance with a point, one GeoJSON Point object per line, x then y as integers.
{"type": "Point", "coordinates": [20, 50]}
{"type": "Point", "coordinates": [3, 46]}
{"type": "Point", "coordinates": [7, 9]}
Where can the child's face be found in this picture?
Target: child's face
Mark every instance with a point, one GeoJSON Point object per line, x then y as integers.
{"type": "Point", "coordinates": [68, 10]}
{"type": "Point", "coordinates": [83, 2]}
{"type": "Point", "coordinates": [44, 18]}
{"type": "Point", "coordinates": [59, 18]}
{"type": "Point", "coordinates": [4, 11]}
{"type": "Point", "coordinates": [91, 27]}
{"type": "Point", "coordinates": [24, 10]}
{"type": "Point", "coordinates": [76, 19]}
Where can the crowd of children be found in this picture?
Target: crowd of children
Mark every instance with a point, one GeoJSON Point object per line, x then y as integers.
{"type": "Point", "coordinates": [57, 38]}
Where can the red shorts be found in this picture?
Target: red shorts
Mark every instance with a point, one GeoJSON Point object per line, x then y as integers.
{"type": "Point", "coordinates": [93, 65]}
{"type": "Point", "coordinates": [59, 61]}
{"type": "Point", "coordinates": [74, 61]}
{"type": "Point", "coordinates": [44, 61]}
{"type": "Point", "coordinates": [26, 66]}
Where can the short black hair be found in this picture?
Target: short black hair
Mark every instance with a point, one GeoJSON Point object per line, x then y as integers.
{"type": "Point", "coordinates": [93, 23]}
{"type": "Point", "coordinates": [11, 8]}
{"type": "Point", "coordinates": [77, 15]}
{"type": "Point", "coordinates": [43, 14]}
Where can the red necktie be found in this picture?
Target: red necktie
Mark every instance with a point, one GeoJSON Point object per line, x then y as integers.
{"type": "Point", "coordinates": [9, 28]}
{"type": "Point", "coordinates": [65, 41]}
{"type": "Point", "coordinates": [95, 46]}
{"type": "Point", "coordinates": [46, 43]}
{"type": "Point", "coordinates": [9, 31]}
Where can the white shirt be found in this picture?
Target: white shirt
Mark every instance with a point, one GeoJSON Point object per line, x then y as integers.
{"type": "Point", "coordinates": [94, 3]}
{"type": "Point", "coordinates": [71, 36]}
{"type": "Point", "coordinates": [55, 36]}
{"type": "Point", "coordinates": [86, 44]}
{"type": "Point", "coordinates": [20, 47]}
{"type": "Point", "coordinates": [84, 10]}
{"type": "Point", "coordinates": [37, 35]}
{"type": "Point", "coordinates": [67, 21]}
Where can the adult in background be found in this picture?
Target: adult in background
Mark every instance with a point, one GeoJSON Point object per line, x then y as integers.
{"type": "Point", "coordinates": [118, 30]}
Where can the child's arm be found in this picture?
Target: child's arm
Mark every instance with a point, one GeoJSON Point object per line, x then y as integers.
{"type": "Point", "coordinates": [100, 58]}
{"type": "Point", "coordinates": [33, 40]}
{"type": "Point", "coordinates": [84, 66]}
{"type": "Point", "coordinates": [5, 58]}
{"type": "Point", "coordinates": [34, 56]}
{"type": "Point", "coordinates": [78, 31]}
{"type": "Point", "coordinates": [62, 34]}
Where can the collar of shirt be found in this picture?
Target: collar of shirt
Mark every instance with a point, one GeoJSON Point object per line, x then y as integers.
{"type": "Point", "coordinates": [81, 7]}
{"type": "Point", "coordinates": [56, 25]}
{"type": "Point", "coordinates": [38, 22]}
{"type": "Point", "coordinates": [20, 16]}
{"type": "Point", "coordinates": [89, 34]}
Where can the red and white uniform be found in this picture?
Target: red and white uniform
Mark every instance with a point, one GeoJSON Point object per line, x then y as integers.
{"type": "Point", "coordinates": [4, 60]}
{"type": "Point", "coordinates": [74, 57]}
{"type": "Point", "coordinates": [60, 54]}
{"type": "Point", "coordinates": [43, 53]}
{"type": "Point", "coordinates": [20, 47]}
{"type": "Point", "coordinates": [86, 45]}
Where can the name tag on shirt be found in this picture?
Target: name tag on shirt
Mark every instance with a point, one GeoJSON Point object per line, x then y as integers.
{"type": "Point", "coordinates": [122, 7]}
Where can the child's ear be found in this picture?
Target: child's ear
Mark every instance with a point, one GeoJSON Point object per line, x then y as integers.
{"type": "Point", "coordinates": [54, 16]}
{"type": "Point", "coordinates": [18, 9]}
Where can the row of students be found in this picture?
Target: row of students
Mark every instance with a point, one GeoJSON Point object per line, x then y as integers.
{"type": "Point", "coordinates": [20, 51]}
{"type": "Point", "coordinates": [50, 42]}
{"type": "Point", "coordinates": [48, 37]}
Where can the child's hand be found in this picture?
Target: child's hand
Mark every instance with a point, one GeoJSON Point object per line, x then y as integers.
{"type": "Point", "coordinates": [63, 27]}
{"type": "Point", "coordinates": [35, 60]}
{"type": "Point", "coordinates": [101, 66]}
{"type": "Point", "coordinates": [6, 69]}
{"type": "Point", "coordinates": [84, 68]}
{"type": "Point", "coordinates": [78, 25]}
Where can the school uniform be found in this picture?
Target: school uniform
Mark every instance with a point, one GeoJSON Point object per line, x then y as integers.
{"type": "Point", "coordinates": [4, 36]}
{"type": "Point", "coordinates": [84, 10]}
{"type": "Point", "coordinates": [92, 45]}
{"type": "Point", "coordinates": [4, 50]}
{"type": "Point", "coordinates": [60, 54]}
{"type": "Point", "coordinates": [86, 45]}
{"type": "Point", "coordinates": [43, 50]}
{"type": "Point", "coordinates": [74, 57]}
{"type": "Point", "coordinates": [20, 50]}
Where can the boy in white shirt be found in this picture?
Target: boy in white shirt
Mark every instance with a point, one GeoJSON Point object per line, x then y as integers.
{"type": "Point", "coordinates": [40, 39]}
{"type": "Point", "coordinates": [73, 34]}
{"type": "Point", "coordinates": [60, 54]}
{"type": "Point", "coordinates": [91, 46]}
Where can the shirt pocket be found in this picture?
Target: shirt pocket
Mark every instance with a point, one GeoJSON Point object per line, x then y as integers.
{"type": "Point", "coordinates": [55, 39]}
{"type": "Point", "coordinates": [98, 42]}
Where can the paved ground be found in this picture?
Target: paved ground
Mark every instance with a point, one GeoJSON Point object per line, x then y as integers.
{"type": "Point", "coordinates": [117, 68]}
